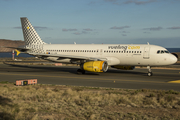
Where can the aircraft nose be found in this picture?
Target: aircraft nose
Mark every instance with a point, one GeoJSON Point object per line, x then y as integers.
{"type": "Point", "coordinates": [173, 59]}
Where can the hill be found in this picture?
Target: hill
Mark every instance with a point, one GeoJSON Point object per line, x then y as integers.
{"type": "Point", "coordinates": [10, 43]}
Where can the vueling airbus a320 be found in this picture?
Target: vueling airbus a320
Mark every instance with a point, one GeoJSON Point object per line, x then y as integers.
{"type": "Point", "coordinates": [95, 57]}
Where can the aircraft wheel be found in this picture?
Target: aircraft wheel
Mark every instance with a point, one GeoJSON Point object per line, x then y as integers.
{"type": "Point", "coordinates": [83, 71]}
{"type": "Point", "coordinates": [79, 71]}
{"type": "Point", "coordinates": [150, 74]}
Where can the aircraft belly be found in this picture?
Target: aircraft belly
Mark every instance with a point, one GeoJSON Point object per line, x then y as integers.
{"type": "Point", "coordinates": [130, 60]}
{"type": "Point", "coordinates": [56, 59]}
{"type": "Point", "coordinates": [112, 61]}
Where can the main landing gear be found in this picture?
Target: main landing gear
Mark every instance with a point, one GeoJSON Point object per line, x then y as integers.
{"type": "Point", "coordinates": [149, 71]}
{"type": "Point", "coordinates": [79, 71]}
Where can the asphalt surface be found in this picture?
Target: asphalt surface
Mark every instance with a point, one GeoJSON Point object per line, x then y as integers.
{"type": "Point", "coordinates": [113, 78]}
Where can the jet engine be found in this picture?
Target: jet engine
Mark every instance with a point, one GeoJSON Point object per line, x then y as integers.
{"type": "Point", "coordinates": [95, 66]}
{"type": "Point", "coordinates": [123, 67]}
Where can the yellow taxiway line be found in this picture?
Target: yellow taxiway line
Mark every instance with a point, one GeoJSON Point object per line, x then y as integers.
{"type": "Point", "coordinates": [175, 81]}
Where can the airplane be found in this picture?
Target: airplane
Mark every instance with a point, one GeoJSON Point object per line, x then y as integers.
{"type": "Point", "coordinates": [95, 57]}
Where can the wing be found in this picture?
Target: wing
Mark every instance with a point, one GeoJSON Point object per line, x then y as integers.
{"type": "Point", "coordinates": [68, 56]}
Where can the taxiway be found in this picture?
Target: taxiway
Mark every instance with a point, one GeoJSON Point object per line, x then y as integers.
{"type": "Point", "coordinates": [113, 78]}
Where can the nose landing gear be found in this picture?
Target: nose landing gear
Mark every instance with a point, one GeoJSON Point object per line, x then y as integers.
{"type": "Point", "coordinates": [149, 71]}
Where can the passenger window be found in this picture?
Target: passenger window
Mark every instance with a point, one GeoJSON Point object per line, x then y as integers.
{"type": "Point", "coordinates": [134, 51]}
{"type": "Point", "coordinates": [129, 51]}
{"type": "Point", "coordinates": [137, 51]}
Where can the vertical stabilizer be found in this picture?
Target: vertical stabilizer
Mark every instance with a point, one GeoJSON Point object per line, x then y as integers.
{"type": "Point", "coordinates": [30, 35]}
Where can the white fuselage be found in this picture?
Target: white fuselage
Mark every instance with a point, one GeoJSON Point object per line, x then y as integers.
{"type": "Point", "coordinates": [114, 54]}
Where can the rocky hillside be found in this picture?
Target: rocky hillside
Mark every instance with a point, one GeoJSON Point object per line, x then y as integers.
{"type": "Point", "coordinates": [10, 43]}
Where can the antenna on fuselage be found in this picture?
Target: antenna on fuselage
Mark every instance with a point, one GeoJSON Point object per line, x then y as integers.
{"type": "Point", "coordinates": [148, 43]}
{"type": "Point", "coordinates": [75, 43]}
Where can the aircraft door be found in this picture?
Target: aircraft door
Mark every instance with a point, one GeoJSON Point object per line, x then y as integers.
{"type": "Point", "coordinates": [101, 51]}
{"type": "Point", "coordinates": [146, 52]}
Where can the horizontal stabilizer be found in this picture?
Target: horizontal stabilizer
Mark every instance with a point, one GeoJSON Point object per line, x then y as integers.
{"type": "Point", "coordinates": [21, 49]}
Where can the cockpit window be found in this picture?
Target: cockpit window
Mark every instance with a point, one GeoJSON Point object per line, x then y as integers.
{"type": "Point", "coordinates": [166, 51]}
{"type": "Point", "coordinates": [162, 51]}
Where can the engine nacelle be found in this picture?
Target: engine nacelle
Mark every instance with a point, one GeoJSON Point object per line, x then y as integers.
{"type": "Point", "coordinates": [123, 67]}
{"type": "Point", "coordinates": [95, 66]}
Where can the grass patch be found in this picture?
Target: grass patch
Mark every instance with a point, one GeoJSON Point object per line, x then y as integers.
{"type": "Point", "coordinates": [4, 82]}
{"type": "Point", "coordinates": [69, 102]}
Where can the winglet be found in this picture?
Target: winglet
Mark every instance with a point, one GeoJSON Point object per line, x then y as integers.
{"type": "Point", "coordinates": [17, 52]}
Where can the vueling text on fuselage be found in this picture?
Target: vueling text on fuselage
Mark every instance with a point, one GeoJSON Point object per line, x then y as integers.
{"type": "Point", "coordinates": [118, 47]}
{"type": "Point", "coordinates": [123, 47]}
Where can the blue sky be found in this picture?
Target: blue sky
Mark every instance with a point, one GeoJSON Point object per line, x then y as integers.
{"type": "Point", "coordinates": [95, 21]}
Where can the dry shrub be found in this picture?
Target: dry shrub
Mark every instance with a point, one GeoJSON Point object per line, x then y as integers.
{"type": "Point", "coordinates": [151, 95]}
{"type": "Point", "coordinates": [172, 92]}
{"type": "Point", "coordinates": [170, 98]}
{"type": "Point", "coordinates": [152, 102]}
{"type": "Point", "coordinates": [137, 99]}
{"type": "Point", "coordinates": [178, 102]}
{"type": "Point", "coordinates": [35, 117]}
{"type": "Point", "coordinates": [123, 100]}
{"type": "Point", "coordinates": [61, 102]}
